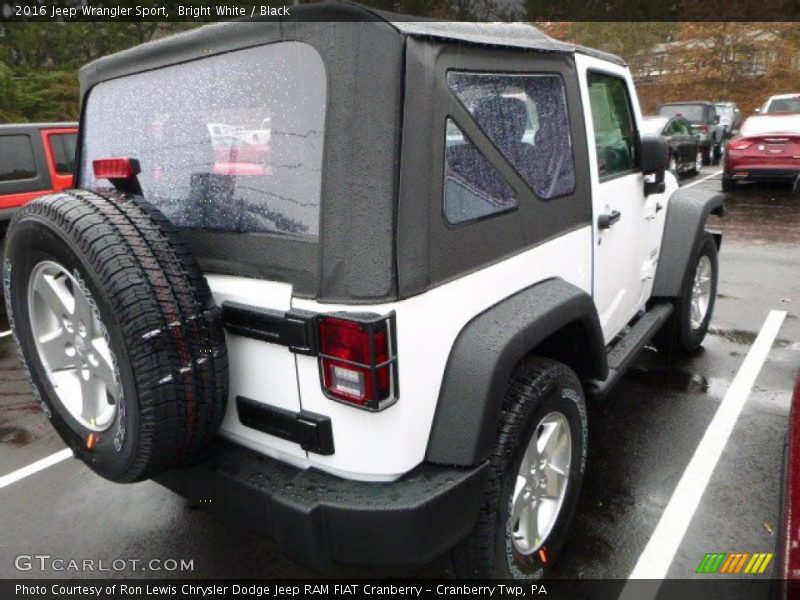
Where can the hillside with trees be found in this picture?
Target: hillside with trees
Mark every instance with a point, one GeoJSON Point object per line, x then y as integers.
{"type": "Point", "coordinates": [39, 63]}
{"type": "Point", "coordinates": [740, 62]}
{"type": "Point", "coordinates": [743, 62]}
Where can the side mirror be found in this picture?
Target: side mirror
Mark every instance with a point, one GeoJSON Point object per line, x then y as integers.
{"type": "Point", "coordinates": [655, 160]}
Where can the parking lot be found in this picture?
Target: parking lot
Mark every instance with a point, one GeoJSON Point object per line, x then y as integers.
{"type": "Point", "coordinates": [641, 441]}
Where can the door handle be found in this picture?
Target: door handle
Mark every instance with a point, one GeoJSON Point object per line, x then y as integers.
{"type": "Point", "coordinates": [607, 220]}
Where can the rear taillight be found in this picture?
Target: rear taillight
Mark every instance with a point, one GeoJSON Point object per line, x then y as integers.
{"type": "Point", "coordinates": [704, 128]}
{"type": "Point", "coordinates": [115, 168]}
{"type": "Point", "coordinates": [739, 144]}
{"type": "Point", "coordinates": [358, 361]}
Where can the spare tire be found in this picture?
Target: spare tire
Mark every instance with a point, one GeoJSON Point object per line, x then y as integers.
{"type": "Point", "coordinates": [118, 330]}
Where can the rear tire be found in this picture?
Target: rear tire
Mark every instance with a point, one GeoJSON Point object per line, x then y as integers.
{"type": "Point", "coordinates": [134, 321]}
{"type": "Point", "coordinates": [672, 166]}
{"type": "Point", "coordinates": [543, 398]}
{"type": "Point", "coordinates": [698, 162]}
{"type": "Point", "coordinates": [684, 331]}
{"type": "Point", "coordinates": [728, 184]}
{"type": "Point", "coordinates": [717, 154]}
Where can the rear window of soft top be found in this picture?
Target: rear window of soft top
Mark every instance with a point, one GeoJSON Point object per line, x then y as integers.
{"type": "Point", "coordinates": [227, 143]}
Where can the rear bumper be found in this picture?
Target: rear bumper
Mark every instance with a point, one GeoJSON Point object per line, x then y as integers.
{"type": "Point", "coordinates": [745, 173]}
{"type": "Point", "coordinates": [321, 520]}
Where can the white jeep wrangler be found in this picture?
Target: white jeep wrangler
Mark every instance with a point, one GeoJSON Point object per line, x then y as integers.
{"type": "Point", "coordinates": [354, 281]}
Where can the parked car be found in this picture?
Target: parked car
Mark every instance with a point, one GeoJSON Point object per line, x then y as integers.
{"type": "Point", "coordinates": [685, 154]}
{"type": "Point", "coordinates": [782, 103]}
{"type": "Point", "coordinates": [768, 148]}
{"type": "Point", "coordinates": [730, 117]}
{"type": "Point", "coordinates": [705, 123]}
{"type": "Point", "coordinates": [789, 540]}
{"type": "Point", "coordinates": [396, 331]}
{"type": "Point", "coordinates": [35, 159]}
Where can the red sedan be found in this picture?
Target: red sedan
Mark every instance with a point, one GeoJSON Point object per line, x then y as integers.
{"type": "Point", "coordinates": [768, 147]}
{"type": "Point", "coordinates": [790, 552]}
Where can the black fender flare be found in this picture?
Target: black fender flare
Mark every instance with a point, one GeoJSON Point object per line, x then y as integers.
{"type": "Point", "coordinates": [687, 212]}
{"type": "Point", "coordinates": [485, 354]}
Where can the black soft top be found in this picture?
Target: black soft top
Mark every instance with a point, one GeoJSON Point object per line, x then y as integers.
{"type": "Point", "coordinates": [231, 35]}
{"type": "Point", "coordinates": [375, 64]}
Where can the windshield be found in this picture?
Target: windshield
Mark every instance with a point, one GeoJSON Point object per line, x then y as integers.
{"type": "Point", "coordinates": [694, 113]}
{"type": "Point", "coordinates": [776, 124]}
{"type": "Point", "coordinates": [790, 105]}
{"type": "Point", "coordinates": [227, 143]}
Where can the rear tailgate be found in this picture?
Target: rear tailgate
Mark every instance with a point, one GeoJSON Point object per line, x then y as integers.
{"type": "Point", "coordinates": [263, 372]}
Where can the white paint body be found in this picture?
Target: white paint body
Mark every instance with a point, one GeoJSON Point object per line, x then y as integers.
{"type": "Point", "coordinates": [616, 266]}
{"type": "Point", "coordinates": [380, 446]}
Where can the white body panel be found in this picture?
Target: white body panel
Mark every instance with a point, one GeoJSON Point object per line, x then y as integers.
{"type": "Point", "coordinates": [260, 371]}
{"type": "Point", "coordinates": [384, 445]}
{"type": "Point", "coordinates": [656, 215]}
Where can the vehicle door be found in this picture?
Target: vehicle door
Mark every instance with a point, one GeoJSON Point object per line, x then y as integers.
{"type": "Point", "coordinates": [672, 136]}
{"type": "Point", "coordinates": [685, 140]}
{"type": "Point", "coordinates": [59, 148]}
{"type": "Point", "coordinates": [622, 264]}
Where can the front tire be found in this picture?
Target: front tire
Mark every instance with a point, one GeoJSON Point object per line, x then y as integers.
{"type": "Point", "coordinates": [685, 330]}
{"type": "Point", "coordinates": [536, 471]}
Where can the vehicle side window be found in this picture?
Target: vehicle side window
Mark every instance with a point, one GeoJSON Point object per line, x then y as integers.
{"type": "Point", "coordinates": [16, 158]}
{"type": "Point", "coordinates": [674, 128]}
{"type": "Point", "coordinates": [526, 118]}
{"type": "Point", "coordinates": [63, 148]}
{"type": "Point", "coordinates": [614, 130]}
{"type": "Point", "coordinates": [473, 189]}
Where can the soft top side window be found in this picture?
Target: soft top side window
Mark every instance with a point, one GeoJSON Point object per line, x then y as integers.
{"type": "Point", "coordinates": [473, 189]}
{"type": "Point", "coordinates": [526, 118]}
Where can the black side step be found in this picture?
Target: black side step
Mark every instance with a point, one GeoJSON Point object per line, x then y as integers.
{"type": "Point", "coordinates": [623, 353]}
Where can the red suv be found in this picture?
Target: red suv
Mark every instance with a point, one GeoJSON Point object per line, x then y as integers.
{"type": "Point", "coordinates": [35, 158]}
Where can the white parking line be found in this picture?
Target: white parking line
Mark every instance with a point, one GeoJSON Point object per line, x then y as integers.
{"type": "Point", "coordinates": [5, 333]}
{"type": "Point", "coordinates": [32, 468]}
{"type": "Point", "coordinates": [657, 557]}
{"type": "Point", "coordinates": [707, 177]}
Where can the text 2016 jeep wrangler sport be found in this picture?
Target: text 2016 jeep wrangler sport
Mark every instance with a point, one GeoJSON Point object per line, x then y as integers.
{"type": "Point", "coordinates": [423, 245]}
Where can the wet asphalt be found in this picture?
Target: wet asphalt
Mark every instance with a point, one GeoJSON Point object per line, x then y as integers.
{"type": "Point", "coordinates": [641, 439]}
